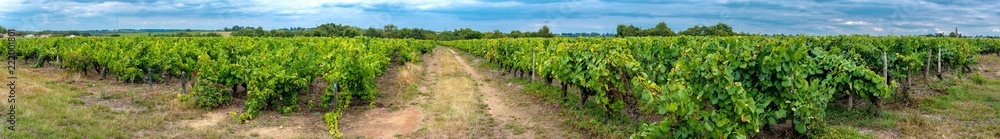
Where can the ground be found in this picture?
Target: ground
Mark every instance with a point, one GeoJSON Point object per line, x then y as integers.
{"type": "Point", "coordinates": [454, 100]}
{"type": "Point", "coordinates": [451, 94]}
{"type": "Point", "coordinates": [440, 97]}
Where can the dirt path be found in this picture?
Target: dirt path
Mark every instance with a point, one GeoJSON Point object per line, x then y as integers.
{"type": "Point", "coordinates": [514, 111]}
{"type": "Point", "coordinates": [454, 100]}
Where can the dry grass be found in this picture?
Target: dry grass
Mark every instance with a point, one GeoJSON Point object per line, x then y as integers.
{"type": "Point", "coordinates": [409, 74]}
{"type": "Point", "coordinates": [52, 103]}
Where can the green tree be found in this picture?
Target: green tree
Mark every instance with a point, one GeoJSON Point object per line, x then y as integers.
{"type": "Point", "coordinates": [468, 33]}
{"type": "Point", "coordinates": [544, 32]}
{"type": "Point", "coordinates": [389, 31]}
{"type": "Point", "coordinates": [516, 34]}
{"type": "Point", "coordinates": [721, 30]}
{"type": "Point", "coordinates": [660, 29]}
{"type": "Point", "coordinates": [694, 31]}
{"type": "Point", "coordinates": [627, 31]}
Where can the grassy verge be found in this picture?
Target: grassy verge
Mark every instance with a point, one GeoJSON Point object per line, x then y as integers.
{"type": "Point", "coordinates": [47, 108]}
{"type": "Point", "coordinates": [970, 108]}
{"type": "Point", "coordinates": [591, 118]}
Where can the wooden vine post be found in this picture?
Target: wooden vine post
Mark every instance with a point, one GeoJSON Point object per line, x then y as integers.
{"type": "Point", "coordinates": [533, 64]}
{"type": "Point", "coordinates": [336, 93]}
{"type": "Point", "coordinates": [885, 67]}
{"type": "Point", "coordinates": [939, 64]}
{"type": "Point", "coordinates": [927, 65]}
{"type": "Point", "coordinates": [149, 77]}
{"type": "Point", "coordinates": [183, 82]}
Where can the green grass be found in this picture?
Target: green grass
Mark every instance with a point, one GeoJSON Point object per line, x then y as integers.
{"type": "Point", "coordinates": [514, 128]}
{"type": "Point", "coordinates": [47, 108]}
{"type": "Point", "coordinates": [591, 118]}
{"type": "Point", "coordinates": [969, 109]}
{"type": "Point", "coordinates": [861, 117]}
{"type": "Point", "coordinates": [58, 113]}
{"type": "Point", "coordinates": [841, 132]}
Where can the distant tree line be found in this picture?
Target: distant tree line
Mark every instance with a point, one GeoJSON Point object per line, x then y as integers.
{"type": "Point", "coordinates": [187, 34]}
{"type": "Point", "coordinates": [590, 34]}
{"type": "Point", "coordinates": [950, 34]}
{"type": "Point", "coordinates": [661, 29]}
{"type": "Point", "coordinates": [334, 30]}
{"type": "Point", "coordinates": [392, 31]}
{"type": "Point", "coordinates": [468, 33]}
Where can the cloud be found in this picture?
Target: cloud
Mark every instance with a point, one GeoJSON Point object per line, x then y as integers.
{"type": "Point", "coordinates": [790, 17]}
{"type": "Point", "coordinates": [856, 23]}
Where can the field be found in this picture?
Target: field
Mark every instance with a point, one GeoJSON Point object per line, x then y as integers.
{"type": "Point", "coordinates": [644, 87]}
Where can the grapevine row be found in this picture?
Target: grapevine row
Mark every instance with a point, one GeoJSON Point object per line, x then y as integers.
{"type": "Point", "coordinates": [272, 70]}
{"type": "Point", "coordinates": [725, 86]}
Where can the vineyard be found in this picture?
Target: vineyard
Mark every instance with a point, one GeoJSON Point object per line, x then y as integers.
{"type": "Point", "coordinates": [272, 70]}
{"type": "Point", "coordinates": [725, 87]}
{"type": "Point", "coordinates": [673, 87]}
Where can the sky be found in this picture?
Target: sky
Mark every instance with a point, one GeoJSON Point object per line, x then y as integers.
{"type": "Point", "coordinates": [811, 17]}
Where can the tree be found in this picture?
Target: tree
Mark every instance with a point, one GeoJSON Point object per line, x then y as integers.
{"type": "Point", "coordinates": [213, 34]}
{"type": "Point", "coordinates": [516, 34]}
{"type": "Point", "coordinates": [628, 31]}
{"type": "Point", "coordinates": [693, 31]}
{"type": "Point", "coordinates": [661, 29]}
{"type": "Point", "coordinates": [495, 34]}
{"type": "Point", "coordinates": [236, 28]}
{"type": "Point", "coordinates": [4, 30]}
{"type": "Point", "coordinates": [373, 32]}
{"type": "Point", "coordinates": [721, 30]}
{"type": "Point", "coordinates": [544, 32]}
{"type": "Point", "coordinates": [389, 31]}
{"type": "Point", "coordinates": [468, 33]}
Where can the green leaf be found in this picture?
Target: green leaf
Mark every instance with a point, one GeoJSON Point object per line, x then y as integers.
{"type": "Point", "coordinates": [780, 113]}
{"type": "Point", "coordinates": [671, 107]}
{"type": "Point", "coordinates": [800, 127]}
{"type": "Point", "coordinates": [662, 110]}
{"type": "Point", "coordinates": [721, 122]}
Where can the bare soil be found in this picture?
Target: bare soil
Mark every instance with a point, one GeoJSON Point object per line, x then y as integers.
{"type": "Point", "coordinates": [445, 97]}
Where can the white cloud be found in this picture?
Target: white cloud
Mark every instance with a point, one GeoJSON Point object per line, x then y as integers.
{"type": "Point", "coordinates": [408, 4]}
{"type": "Point", "coordinates": [11, 5]}
{"type": "Point", "coordinates": [807, 17]}
{"type": "Point", "coordinates": [78, 9]}
{"type": "Point", "coordinates": [856, 23]}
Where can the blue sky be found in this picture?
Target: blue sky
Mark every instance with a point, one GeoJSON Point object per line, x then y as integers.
{"type": "Point", "coordinates": [818, 17]}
